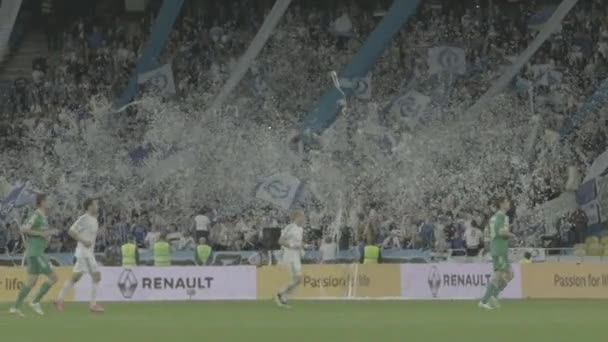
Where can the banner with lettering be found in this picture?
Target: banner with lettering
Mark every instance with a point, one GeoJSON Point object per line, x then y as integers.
{"type": "Point", "coordinates": [13, 278]}
{"type": "Point", "coordinates": [452, 281]}
{"type": "Point", "coordinates": [333, 281]}
{"type": "Point", "coordinates": [569, 281]}
{"type": "Point", "coordinates": [172, 283]}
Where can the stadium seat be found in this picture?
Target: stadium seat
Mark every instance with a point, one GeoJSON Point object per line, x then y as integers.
{"type": "Point", "coordinates": [580, 249]}
{"type": "Point", "coordinates": [595, 249]}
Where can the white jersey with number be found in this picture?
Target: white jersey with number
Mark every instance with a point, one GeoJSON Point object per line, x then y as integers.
{"type": "Point", "coordinates": [86, 227]}
{"type": "Point", "coordinates": [293, 236]}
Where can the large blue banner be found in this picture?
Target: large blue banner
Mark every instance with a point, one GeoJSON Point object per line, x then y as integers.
{"type": "Point", "coordinates": [158, 37]}
{"type": "Point", "coordinates": [325, 112]}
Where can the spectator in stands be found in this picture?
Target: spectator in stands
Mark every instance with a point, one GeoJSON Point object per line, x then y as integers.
{"type": "Point", "coordinates": [328, 249]}
{"type": "Point", "coordinates": [139, 231]}
{"type": "Point", "coordinates": [175, 238]}
{"type": "Point", "coordinates": [392, 241]}
{"type": "Point", "coordinates": [473, 238]}
{"type": "Point", "coordinates": [202, 223]}
{"type": "Point", "coordinates": [151, 237]}
{"type": "Point", "coordinates": [121, 231]}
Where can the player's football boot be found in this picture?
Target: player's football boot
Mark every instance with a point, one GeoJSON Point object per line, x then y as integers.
{"type": "Point", "coordinates": [281, 301]}
{"type": "Point", "coordinates": [96, 308]}
{"type": "Point", "coordinates": [59, 305]}
{"type": "Point", "coordinates": [494, 303]}
{"type": "Point", "coordinates": [17, 312]}
{"type": "Point", "coordinates": [37, 308]}
{"type": "Point", "coordinates": [485, 306]}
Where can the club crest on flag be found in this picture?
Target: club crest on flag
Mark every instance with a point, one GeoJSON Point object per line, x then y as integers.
{"type": "Point", "coordinates": [447, 59]}
{"type": "Point", "coordinates": [361, 87]}
{"type": "Point", "coordinates": [159, 80]}
{"type": "Point", "coordinates": [279, 189]}
{"type": "Point", "coordinates": [410, 105]}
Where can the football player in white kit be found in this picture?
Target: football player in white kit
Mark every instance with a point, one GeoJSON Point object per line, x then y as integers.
{"type": "Point", "coordinates": [291, 241]}
{"type": "Point", "coordinates": [84, 230]}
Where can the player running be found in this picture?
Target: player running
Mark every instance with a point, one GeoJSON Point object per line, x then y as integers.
{"type": "Point", "coordinates": [84, 230]}
{"type": "Point", "coordinates": [499, 248]}
{"type": "Point", "coordinates": [36, 234]}
{"type": "Point", "coordinates": [291, 241]}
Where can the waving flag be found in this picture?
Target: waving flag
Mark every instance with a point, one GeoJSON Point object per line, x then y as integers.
{"type": "Point", "coordinates": [13, 199]}
{"type": "Point", "coordinates": [279, 189]}
{"type": "Point", "coordinates": [361, 87]}
{"type": "Point", "coordinates": [159, 80]}
{"type": "Point", "coordinates": [541, 17]}
{"type": "Point", "coordinates": [410, 105]}
{"type": "Point", "coordinates": [447, 59]}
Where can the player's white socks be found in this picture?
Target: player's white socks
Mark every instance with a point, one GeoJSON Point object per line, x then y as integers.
{"type": "Point", "coordinates": [94, 293]}
{"type": "Point", "coordinates": [66, 287]}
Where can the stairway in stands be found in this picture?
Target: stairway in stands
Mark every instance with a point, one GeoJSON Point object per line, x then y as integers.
{"type": "Point", "coordinates": [19, 62]}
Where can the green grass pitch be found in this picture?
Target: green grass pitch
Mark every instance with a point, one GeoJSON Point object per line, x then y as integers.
{"type": "Point", "coordinates": [335, 321]}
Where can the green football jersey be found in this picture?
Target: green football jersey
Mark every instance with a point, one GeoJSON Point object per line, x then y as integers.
{"type": "Point", "coordinates": [36, 245]}
{"type": "Point", "coordinates": [499, 245]}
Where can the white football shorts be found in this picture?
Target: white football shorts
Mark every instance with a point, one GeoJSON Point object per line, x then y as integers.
{"type": "Point", "coordinates": [86, 265]}
{"type": "Point", "coordinates": [294, 265]}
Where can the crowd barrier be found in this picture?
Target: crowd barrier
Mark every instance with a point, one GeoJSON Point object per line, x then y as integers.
{"type": "Point", "coordinates": [440, 281]}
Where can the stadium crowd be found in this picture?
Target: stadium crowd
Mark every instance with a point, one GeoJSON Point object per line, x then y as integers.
{"type": "Point", "coordinates": [93, 57]}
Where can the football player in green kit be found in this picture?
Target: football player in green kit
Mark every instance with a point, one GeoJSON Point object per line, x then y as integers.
{"type": "Point", "coordinates": [499, 248]}
{"type": "Point", "coordinates": [37, 234]}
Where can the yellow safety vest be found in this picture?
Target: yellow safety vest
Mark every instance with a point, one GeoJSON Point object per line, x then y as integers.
{"type": "Point", "coordinates": [129, 251]}
{"type": "Point", "coordinates": [162, 254]}
{"type": "Point", "coordinates": [371, 254]}
{"type": "Point", "coordinates": [203, 253]}
{"type": "Point", "coordinates": [525, 261]}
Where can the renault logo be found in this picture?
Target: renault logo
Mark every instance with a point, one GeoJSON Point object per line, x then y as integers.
{"type": "Point", "coordinates": [127, 283]}
{"type": "Point", "coordinates": [434, 281]}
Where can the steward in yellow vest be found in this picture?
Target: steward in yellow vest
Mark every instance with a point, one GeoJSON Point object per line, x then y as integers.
{"type": "Point", "coordinates": [203, 251]}
{"type": "Point", "coordinates": [371, 253]}
{"type": "Point", "coordinates": [162, 251]}
{"type": "Point", "coordinates": [129, 254]}
{"type": "Point", "coordinates": [527, 258]}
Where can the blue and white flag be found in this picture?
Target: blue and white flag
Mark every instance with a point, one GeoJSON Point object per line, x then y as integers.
{"type": "Point", "coordinates": [602, 193]}
{"type": "Point", "coordinates": [279, 189]}
{"type": "Point", "coordinates": [592, 210]}
{"type": "Point", "coordinates": [361, 87]}
{"type": "Point", "coordinates": [159, 80]}
{"type": "Point", "coordinates": [15, 198]}
{"type": "Point", "coordinates": [447, 59]}
{"type": "Point", "coordinates": [541, 17]}
{"type": "Point", "coordinates": [546, 75]}
{"type": "Point", "coordinates": [410, 105]}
